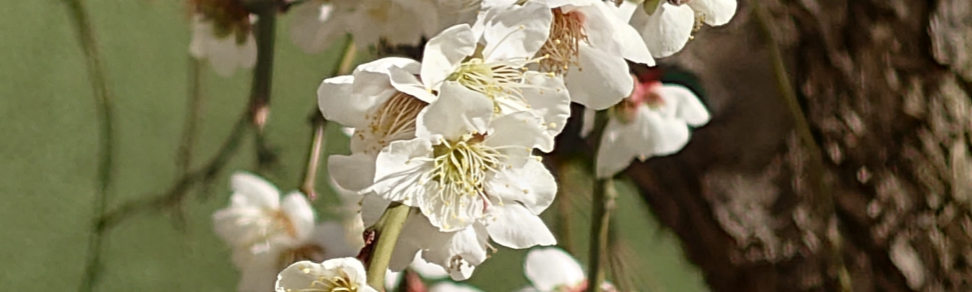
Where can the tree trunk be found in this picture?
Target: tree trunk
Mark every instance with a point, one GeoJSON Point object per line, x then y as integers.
{"type": "Point", "coordinates": [885, 86]}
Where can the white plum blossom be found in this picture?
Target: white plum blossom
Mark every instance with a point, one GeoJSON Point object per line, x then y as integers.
{"type": "Point", "coordinates": [258, 270]}
{"type": "Point", "coordinates": [491, 58]}
{"type": "Point", "coordinates": [588, 45]}
{"type": "Point", "coordinates": [267, 234]}
{"type": "Point", "coordinates": [340, 274]}
{"type": "Point", "coordinates": [225, 53]}
{"type": "Point", "coordinates": [317, 24]}
{"type": "Point", "coordinates": [257, 218]}
{"type": "Point", "coordinates": [379, 113]}
{"type": "Point", "coordinates": [464, 162]}
{"type": "Point", "coordinates": [669, 27]}
{"type": "Point", "coordinates": [655, 120]}
{"type": "Point", "coordinates": [550, 269]}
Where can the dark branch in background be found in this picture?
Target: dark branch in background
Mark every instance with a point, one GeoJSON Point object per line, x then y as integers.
{"type": "Point", "coordinates": [265, 33]}
{"type": "Point", "coordinates": [180, 189]}
{"type": "Point", "coordinates": [105, 111]}
{"type": "Point", "coordinates": [193, 111]}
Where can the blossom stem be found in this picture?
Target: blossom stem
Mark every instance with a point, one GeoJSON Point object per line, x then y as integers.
{"type": "Point", "coordinates": [603, 199]}
{"type": "Point", "coordinates": [824, 205]}
{"type": "Point", "coordinates": [265, 33]}
{"type": "Point", "coordinates": [193, 111]}
{"type": "Point", "coordinates": [388, 228]}
{"type": "Point", "coordinates": [318, 123]}
{"type": "Point", "coordinates": [604, 196]}
{"type": "Point", "coordinates": [105, 112]}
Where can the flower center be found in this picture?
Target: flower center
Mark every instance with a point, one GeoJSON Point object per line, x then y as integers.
{"type": "Point", "coordinates": [339, 283]}
{"type": "Point", "coordinates": [501, 81]}
{"type": "Point", "coordinates": [643, 94]}
{"type": "Point", "coordinates": [393, 121]}
{"type": "Point", "coordinates": [460, 170]}
{"type": "Point", "coordinates": [562, 48]}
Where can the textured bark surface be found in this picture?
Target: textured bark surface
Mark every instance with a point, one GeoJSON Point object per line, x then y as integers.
{"type": "Point", "coordinates": [886, 88]}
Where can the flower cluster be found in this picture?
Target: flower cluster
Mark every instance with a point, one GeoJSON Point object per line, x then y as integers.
{"type": "Point", "coordinates": [456, 135]}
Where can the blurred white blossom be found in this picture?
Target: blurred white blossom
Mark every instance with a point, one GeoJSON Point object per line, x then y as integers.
{"type": "Point", "coordinates": [317, 24]}
{"type": "Point", "coordinates": [655, 120]}
{"type": "Point", "coordinates": [225, 52]}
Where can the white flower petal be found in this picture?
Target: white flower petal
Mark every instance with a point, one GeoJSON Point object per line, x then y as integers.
{"type": "Point", "coordinates": [444, 52]}
{"type": "Point", "coordinates": [407, 83]}
{"type": "Point", "coordinates": [516, 31]}
{"type": "Point", "coordinates": [456, 112]}
{"type": "Point", "coordinates": [311, 27]}
{"type": "Point", "coordinates": [353, 172]}
{"type": "Point", "coordinates": [548, 268]}
{"type": "Point", "coordinates": [372, 207]}
{"type": "Point", "coordinates": [523, 129]}
{"type": "Point", "coordinates": [668, 29]}
{"type": "Point", "coordinates": [426, 269]}
{"type": "Point", "coordinates": [690, 108]}
{"type": "Point", "coordinates": [665, 135]}
{"type": "Point", "coordinates": [254, 191]}
{"type": "Point", "coordinates": [716, 12]}
{"type": "Point", "coordinates": [300, 214]}
{"type": "Point", "coordinates": [468, 244]}
{"type": "Point", "coordinates": [512, 225]}
{"type": "Point", "coordinates": [450, 287]}
{"type": "Point", "coordinates": [330, 236]}
{"type": "Point", "coordinates": [613, 154]}
{"type": "Point", "coordinates": [548, 98]}
{"type": "Point", "coordinates": [630, 43]}
{"type": "Point", "coordinates": [587, 124]}
{"type": "Point", "coordinates": [532, 185]}
{"type": "Point", "coordinates": [304, 274]}
{"type": "Point", "coordinates": [600, 28]}
{"type": "Point", "coordinates": [601, 80]}
{"type": "Point", "coordinates": [337, 103]}
{"type": "Point", "coordinates": [397, 173]}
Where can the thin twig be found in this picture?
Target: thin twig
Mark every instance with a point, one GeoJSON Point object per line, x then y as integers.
{"type": "Point", "coordinates": [318, 123]}
{"type": "Point", "coordinates": [105, 111]}
{"type": "Point", "coordinates": [387, 230]}
{"type": "Point", "coordinates": [193, 112]}
{"type": "Point", "coordinates": [180, 189]}
{"type": "Point", "coordinates": [816, 164]}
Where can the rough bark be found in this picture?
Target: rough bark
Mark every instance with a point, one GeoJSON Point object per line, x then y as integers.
{"type": "Point", "coordinates": [885, 85]}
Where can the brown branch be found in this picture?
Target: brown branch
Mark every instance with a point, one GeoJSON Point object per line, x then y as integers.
{"type": "Point", "coordinates": [180, 189]}
{"type": "Point", "coordinates": [193, 111]}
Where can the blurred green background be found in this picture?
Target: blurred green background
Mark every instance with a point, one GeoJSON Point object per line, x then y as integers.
{"type": "Point", "coordinates": [50, 143]}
